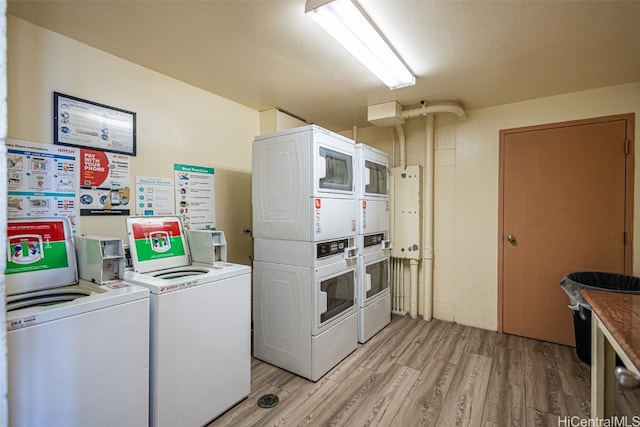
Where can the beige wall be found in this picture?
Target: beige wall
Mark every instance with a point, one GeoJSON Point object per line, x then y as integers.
{"type": "Point", "coordinates": [176, 122]}
{"type": "Point", "coordinates": [466, 190]}
{"type": "Point", "coordinates": [275, 120]}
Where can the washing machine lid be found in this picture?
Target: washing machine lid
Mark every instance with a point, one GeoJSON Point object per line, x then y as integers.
{"type": "Point", "coordinates": [40, 254]}
{"type": "Point", "coordinates": [157, 243]}
{"type": "Point", "coordinates": [49, 305]}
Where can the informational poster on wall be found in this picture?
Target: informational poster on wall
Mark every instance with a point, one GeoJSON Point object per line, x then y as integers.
{"type": "Point", "coordinates": [104, 183]}
{"type": "Point", "coordinates": [42, 180]}
{"type": "Point", "coordinates": [154, 196]}
{"type": "Point", "coordinates": [88, 124]}
{"type": "Point", "coordinates": [195, 196]}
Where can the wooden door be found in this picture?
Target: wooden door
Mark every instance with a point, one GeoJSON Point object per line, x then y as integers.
{"type": "Point", "coordinates": [566, 203]}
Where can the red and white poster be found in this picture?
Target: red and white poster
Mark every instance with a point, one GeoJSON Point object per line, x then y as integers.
{"type": "Point", "coordinates": [104, 183]}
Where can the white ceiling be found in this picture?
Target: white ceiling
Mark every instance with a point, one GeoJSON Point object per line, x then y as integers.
{"type": "Point", "coordinates": [267, 54]}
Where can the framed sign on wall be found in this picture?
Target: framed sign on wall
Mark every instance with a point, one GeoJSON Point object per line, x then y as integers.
{"type": "Point", "coordinates": [86, 124]}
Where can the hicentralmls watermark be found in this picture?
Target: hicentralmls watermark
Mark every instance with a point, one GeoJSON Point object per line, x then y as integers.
{"type": "Point", "coordinates": [615, 421]}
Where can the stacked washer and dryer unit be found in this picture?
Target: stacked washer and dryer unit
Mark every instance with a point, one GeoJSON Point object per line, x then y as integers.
{"type": "Point", "coordinates": [374, 294]}
{"type": "Point", "coordinates": [305, 250]}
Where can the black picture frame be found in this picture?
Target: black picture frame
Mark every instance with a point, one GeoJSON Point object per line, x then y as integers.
{"type": "Point", "coordinates": [87, 124]}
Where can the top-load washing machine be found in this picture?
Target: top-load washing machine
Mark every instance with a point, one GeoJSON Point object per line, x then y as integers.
{"type": "Point", "coordinates": [372, 191]}
{"type": "Point", "coordinates": [200, 322]}
{"type": "Point", "coordinates": [303, 185]}
{"type": "Point", "coordinates": [78, 352]}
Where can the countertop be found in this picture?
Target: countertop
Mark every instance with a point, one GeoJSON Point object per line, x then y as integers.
{"type": "Point", "coordinates": [620, 314]}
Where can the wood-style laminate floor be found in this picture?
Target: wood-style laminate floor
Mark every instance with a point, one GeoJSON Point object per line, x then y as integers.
{"type": "Point", "coordinates": [417, 373]}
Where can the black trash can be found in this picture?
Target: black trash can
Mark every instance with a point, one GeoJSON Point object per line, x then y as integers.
{"type": "Point", "coordinates": [572, 283]}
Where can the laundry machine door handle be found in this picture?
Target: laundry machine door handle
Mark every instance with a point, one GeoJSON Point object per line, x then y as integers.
{"type": "Point", "coordinates": [322, 167]}
{"type": "Point", "coordinates": [350, 252]}
{"type": "Point", "coordinates": [368, 282]}
{"type": "Point", "coordinates": [322, 303]}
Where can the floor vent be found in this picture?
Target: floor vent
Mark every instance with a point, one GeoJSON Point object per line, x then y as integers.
{"type": "Point", "coordinates": [268, 401]}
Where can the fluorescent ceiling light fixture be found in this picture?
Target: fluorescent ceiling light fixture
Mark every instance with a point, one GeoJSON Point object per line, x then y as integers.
{"type": "Point", "coordinates": [348, 24]}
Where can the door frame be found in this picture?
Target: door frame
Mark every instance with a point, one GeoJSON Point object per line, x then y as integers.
{"type": "Point", "coordinates": [629, 200]}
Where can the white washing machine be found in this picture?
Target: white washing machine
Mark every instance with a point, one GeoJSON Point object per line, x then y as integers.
{"type": "Point", "coordinates": [78, 353]}
{"type": "Point", "coordinates": [200, 325]}
{"type": "Point", "coordinates": [374, 293]}
{"type": "Point", "coordinates": [303, 185]}
{"type": "Point", "coordinates": [304, 304]}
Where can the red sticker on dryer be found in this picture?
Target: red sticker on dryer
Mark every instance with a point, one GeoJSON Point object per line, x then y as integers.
{"type": "Point", "coordinates": [318, 203]}
{"type": "Point", "coordinates": [364, 204]}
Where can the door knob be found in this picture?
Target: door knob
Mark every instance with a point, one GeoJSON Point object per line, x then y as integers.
{"type": "Point", "coordinates": [627, 380]}
{"type": "Point", "coordinates": [511, 238]}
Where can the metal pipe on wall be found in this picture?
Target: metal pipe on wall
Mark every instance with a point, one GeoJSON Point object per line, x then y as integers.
{"type": "Point", "coordinates": [396, 290]}
{"type": "Point", "coordinates": [425, 109]}
{"type": "Point", "coordinates": [413, 278]}
{"type": "Point", "coordinates": [428, 225]}
{"type": "Point", "coordinates": [402, 142]}
{"type": "Point", "coordinates": [397, 273]}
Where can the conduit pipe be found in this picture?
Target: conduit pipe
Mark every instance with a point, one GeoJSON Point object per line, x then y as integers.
{"type": "Point", "coordinates": [425, 109]}
{"type": "Point", "coordinates": [413, 281]}
{"type": "Point", "coordinates": [402, 142]}
{"type": "Point", "coordinates": [398, 304]}
{"type": "Point", "coordinates": [427, 226]}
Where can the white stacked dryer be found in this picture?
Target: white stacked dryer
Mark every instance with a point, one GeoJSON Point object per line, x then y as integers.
{"type": "Point", "coordinates": [303, 185]}
{"type": "Point", "coordinates": [374, 295]}
{"type": "Point", "coordinates": [305, 268]}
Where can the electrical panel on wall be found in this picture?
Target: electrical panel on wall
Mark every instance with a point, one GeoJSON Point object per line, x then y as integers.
{"type": "Point", "coordinates": [405, 195]}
